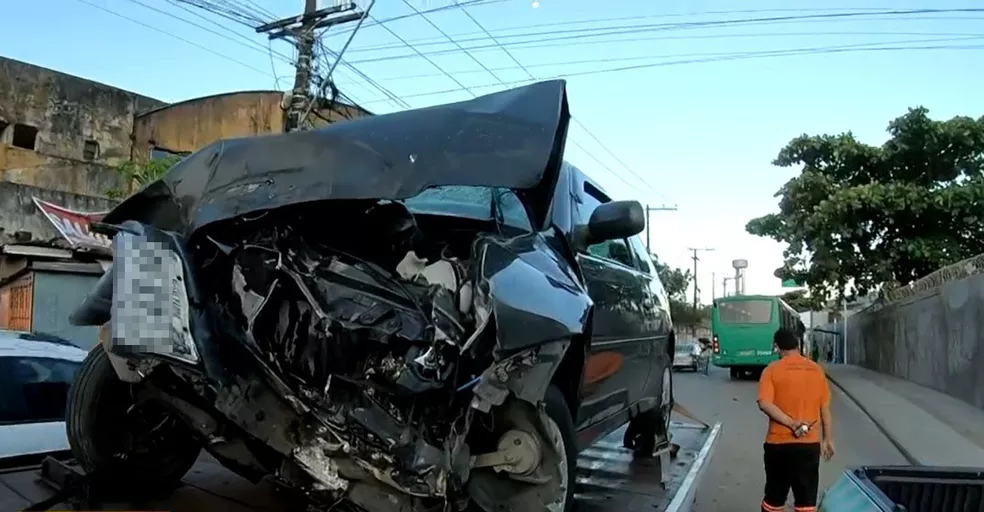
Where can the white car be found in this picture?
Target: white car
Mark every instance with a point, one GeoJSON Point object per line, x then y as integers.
{"type": "Point", "coordinates": [686, 355]}
{"type": "Point", "coordinates": [35, 374]}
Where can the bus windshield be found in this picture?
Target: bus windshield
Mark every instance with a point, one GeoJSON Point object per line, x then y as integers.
{"type": "Point", "coordinates": [745, 312]}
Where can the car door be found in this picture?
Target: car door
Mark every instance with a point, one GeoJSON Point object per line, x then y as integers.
{"type": "Point", "coordinates": [618, 362]}
{"type": "Point", "coordinates": [33, 396]}
{"type": "Point", "coordinates": [658, 325]}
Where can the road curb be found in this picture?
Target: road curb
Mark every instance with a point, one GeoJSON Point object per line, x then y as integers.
{"type": "Point", "coordinates": [878, 423]}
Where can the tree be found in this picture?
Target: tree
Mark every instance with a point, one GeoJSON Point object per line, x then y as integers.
{"type": "Point", "coordinates": [675, 282]}
{"type": "Point", "coordinates": [879, 215]}
{"type": "Point", "coordinates": [138, 174]}
{"type": "Point", "coordinates": [800, 301]}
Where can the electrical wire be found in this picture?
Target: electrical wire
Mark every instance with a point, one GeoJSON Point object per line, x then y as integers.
{"type": "Point", "coordinates": [179, 38]}
{"type": "Point", "coordinates": [428, 41]}
{"type": "Point", "coordinates": [576, 121]}
{"type": "Point", "coordinates": [727, 57]}
{"type": "Point", "coordinates": [951, 36]}
{"type": "Point", "coordinates": [449, 38]}
{"type": "Point", "coordinates": [249, 44]}
{"type": "Point", "coordinates": [461, 86]}
{"type": "Point", "coordinates": [456, 5]}
{"type": "Point", "coordinates": [574, 34]}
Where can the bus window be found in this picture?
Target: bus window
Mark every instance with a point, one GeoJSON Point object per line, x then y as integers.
{"type": "Point", "coordinates": [745, 312]}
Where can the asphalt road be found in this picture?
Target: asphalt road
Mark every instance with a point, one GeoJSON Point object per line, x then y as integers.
{"type": "Point", "coordinates": [735, 479]}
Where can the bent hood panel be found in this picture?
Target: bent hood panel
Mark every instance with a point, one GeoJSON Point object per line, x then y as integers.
{"type": "Point", "coordinates": [506, 139]}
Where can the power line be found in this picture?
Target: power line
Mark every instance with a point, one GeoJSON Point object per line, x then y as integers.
{"type": "Point", "coordinates": [179, 38]}
{"type": "Point", "coordinates": [532, 77]}
{"type": "Point", "coordinates": [611, 30]}
{"type": "Point", "coordinates": [613, 155]}
{"type": "Point", "coordinates": [495, 41]}
{"type": "Point", "coordinates": [734, 56]}
{"type": "Point", "coordinates": [449, 38]}
{"type": "Point", "coordinates": [429, 41]}
{"type": "Point", "coordinates": [578, 34]}
{"type": "Point", "coordinates": [951, 36]}
{"type": "Point", "coordinates": [456, 5]}
{"type": "Point", "coordinates": [461, 86]}
{"type": "Point", "coordinates": [249, 44]}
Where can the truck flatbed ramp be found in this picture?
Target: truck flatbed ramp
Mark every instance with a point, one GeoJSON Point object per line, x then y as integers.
{"type": "Point", "coordinates": [608, 479]}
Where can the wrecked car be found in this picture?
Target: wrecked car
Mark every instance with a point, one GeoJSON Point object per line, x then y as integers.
{"type": "Point", "coordinates": [424, 310]}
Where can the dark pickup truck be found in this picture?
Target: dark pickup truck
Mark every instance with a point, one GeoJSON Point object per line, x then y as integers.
{"type": "Point", "coordinates": [906, 489]}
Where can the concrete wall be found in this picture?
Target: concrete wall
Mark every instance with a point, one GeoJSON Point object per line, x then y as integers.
{"type": "Point", "coordinates": [68, 111]}
{"type": "Point", "coordinates": [19, 213]}
{"type": "Point", "coordinates": [934, 339]}
{"type": "Point", "coordinates": [189, 125]}
{"type": "Point", "coordinates": [83, 129]}
{"type": "Point", "coordinates": [35, 169]}
{"type": "Point", "coordinates": [56, 295]}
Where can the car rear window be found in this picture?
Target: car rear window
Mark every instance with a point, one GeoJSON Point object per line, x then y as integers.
{"type": "Point", "coordinates": [745, 312]}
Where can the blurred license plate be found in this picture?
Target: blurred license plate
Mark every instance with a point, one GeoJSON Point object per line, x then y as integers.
{"type": "Point", "coordinates": [746, 353]}
{"type": "Point", "coordinates": [150, 302]}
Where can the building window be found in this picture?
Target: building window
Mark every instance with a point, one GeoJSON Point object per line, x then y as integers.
{"type": "Point", "coordinates": [90, 151]}
{"type": "Point", "coordinates": [25, 136]}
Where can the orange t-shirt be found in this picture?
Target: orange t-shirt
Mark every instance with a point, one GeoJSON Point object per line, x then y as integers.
{"type": "Point", "coordinates": [798, 387]}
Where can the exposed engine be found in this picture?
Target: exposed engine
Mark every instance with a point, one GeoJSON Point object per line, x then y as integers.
{"type": "Point", "coordinates": [372, 324]}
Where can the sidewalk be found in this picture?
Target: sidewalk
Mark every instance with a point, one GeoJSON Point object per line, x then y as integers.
{"type": "Point", "coordinates": [928, 427]}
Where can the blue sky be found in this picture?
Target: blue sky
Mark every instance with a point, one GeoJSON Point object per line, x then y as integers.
{"type": "Point", "coordinates": [699, 135]}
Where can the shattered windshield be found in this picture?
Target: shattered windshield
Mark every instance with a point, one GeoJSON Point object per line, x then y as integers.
{"type": "Point", "coordinates": [472, 203]}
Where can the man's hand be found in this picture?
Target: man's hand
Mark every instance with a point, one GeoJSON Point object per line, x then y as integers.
{"type": "Point", "coordinates": [827, 449]}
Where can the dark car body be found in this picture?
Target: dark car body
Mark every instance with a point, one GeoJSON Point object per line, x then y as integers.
{"type": "Point", "coordinates": [591, 319]}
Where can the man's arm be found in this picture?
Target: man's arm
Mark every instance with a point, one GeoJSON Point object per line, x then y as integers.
{"type": "Point", "coordinates": [826, 419]}
{"type": "Point", "coordinates": [771, 410]}
{"type": "Point", "coordinates": [766, 395]}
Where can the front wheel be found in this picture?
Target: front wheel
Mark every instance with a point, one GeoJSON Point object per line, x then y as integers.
{"type": "Point", "coordinates": [141, 447]}
{"type": "Point", "coordinates": [560, 426]}
{"type": "Point", "coordinates": [650, 431]}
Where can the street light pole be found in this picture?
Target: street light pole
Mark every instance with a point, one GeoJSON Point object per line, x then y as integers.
{"type": "Point", "coordinates": [696, 259]}
{"type": "Point", "coordinates": [649, 209]}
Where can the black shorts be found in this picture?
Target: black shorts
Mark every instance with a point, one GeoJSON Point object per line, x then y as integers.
{"type": "Point", "coordinates": [793, 466]}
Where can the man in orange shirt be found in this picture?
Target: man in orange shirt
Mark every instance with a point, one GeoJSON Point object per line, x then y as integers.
{"type": "Point", "coordinates": [793, 393]}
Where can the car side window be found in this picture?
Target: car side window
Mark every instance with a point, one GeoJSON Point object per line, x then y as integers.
{"type": "Point", "coordinates": [645, 264]}
{"type": "Point", "coordinates": [34, 389]}
{"type": "Point", "coordinates": [643, 259]}
{"type": "Point", "coordinates": [612, 250]}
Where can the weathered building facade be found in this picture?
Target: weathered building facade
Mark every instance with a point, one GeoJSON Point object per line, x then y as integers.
{"type": "Point", "coordinates": [61, 132]}
{"type": "Point", "coordinates": [61, 136]}
{"type": "Point", "coordinates": [183, 127]}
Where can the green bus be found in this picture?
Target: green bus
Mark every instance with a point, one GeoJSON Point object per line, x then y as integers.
{"type": "Point", "coordinates": [743, 326]}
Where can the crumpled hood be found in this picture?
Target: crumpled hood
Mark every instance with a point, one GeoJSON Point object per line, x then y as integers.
{"type": "Point", "coordinates": [509, 139]}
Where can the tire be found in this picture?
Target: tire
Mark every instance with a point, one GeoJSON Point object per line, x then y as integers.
{"type": "Point", "coordinates": [735, 373]}
{"type": "Point", "coordinates": [560, 414]}
{"type": "Point", "coordinates": [650, 430]}
{"type": "Point", "coordinates": [99, 424]}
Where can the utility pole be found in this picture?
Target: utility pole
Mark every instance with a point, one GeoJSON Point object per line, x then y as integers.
{"type": "Point", "coordinates": [713, 286]}
{"type": "Point", "coordinates": [696, 259]}
{"type": "Point", "coordinates": [302, 28]}
{"type": "Point", "coordinates": [724, 284]}
{"type": "Point", "coordinates": [649, 209]}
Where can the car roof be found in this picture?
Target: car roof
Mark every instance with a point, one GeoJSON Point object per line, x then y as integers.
{"type": "Point", "coordinates": [22, 344]}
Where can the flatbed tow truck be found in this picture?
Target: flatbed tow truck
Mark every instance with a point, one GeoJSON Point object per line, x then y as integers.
{"type": "Point", "coordinates": [608, 479]}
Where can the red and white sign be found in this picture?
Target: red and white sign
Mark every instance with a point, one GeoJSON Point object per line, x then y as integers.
{"type": "Point", "coordinates": [74, 226]}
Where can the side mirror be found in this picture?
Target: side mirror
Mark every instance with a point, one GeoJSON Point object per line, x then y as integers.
{"type": "Point", "coordinates": [614, 220]}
